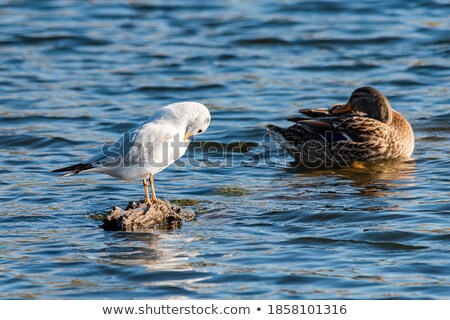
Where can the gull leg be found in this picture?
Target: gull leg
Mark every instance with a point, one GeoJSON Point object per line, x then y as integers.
{"type": "Point", "coordinates": [152, 185]}
{"type": "Point", "coordinates": [147, 198]}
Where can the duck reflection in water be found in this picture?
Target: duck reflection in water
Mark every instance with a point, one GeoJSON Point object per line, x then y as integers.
{"type": "Point", "coordinates": [383, 179]}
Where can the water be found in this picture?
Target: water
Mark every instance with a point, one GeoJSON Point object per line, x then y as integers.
{"type": "Point", "coordinates": [73, 73]}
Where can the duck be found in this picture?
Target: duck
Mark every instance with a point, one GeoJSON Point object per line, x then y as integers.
{"type": "Point", "coordinates": [365, 129]}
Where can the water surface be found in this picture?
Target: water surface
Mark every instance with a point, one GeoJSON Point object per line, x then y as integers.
{"type": "Point", "coordinates": [76, 73]}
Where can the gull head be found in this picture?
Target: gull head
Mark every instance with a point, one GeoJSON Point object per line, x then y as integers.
{"type": "Point", "coordinates": [192, 117]}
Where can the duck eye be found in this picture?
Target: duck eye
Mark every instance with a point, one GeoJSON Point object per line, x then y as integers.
{"type": "Point", "coordinates": [200, 131]}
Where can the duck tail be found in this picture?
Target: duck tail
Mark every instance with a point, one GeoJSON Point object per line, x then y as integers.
{"type": "Point", "coordinates": [276, 132]}
{"type": "Point", "coordinates": [281, 136]}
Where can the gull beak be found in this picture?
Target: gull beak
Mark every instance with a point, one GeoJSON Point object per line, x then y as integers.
{"type": "Point", "coordinates": [187, 135]}
{"type": "Point", "coordinates": [341, 108]}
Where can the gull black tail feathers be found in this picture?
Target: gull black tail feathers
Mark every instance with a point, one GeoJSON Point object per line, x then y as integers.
{"type": "Point", "coordinates": [75, 169]}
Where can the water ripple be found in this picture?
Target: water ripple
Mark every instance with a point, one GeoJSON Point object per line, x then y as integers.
{"type": "Point", "coordinates": [74, 74]}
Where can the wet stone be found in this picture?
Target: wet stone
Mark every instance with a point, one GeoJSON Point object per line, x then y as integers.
{"type": "Point", "coordinates": [161, 215]}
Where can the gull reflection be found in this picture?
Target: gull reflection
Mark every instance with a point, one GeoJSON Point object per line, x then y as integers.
{"type": "Point", "coordinates": [154, 250]}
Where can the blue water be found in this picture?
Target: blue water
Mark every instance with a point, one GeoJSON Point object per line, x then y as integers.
{"type": "Point", "coordinates": [77, 73]}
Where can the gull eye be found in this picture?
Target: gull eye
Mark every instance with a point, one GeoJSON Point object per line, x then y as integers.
{"type": "Point", "coordinates": [200, 131]}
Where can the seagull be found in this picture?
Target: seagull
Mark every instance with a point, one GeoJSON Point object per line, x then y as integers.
{"type": "Point", "coordinates": [149, 148]}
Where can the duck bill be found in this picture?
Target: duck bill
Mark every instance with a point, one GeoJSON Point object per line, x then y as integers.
{"type": "Point", "coordinates": [341, 108]}
{"type": "Point", "coordinates": [187, 135]}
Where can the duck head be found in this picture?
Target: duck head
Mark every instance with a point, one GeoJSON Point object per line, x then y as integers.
{"type": "Point", "coordinates": [369, 101]}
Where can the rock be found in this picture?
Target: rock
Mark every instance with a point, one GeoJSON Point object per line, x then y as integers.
{"type": "Point", "coordinates": [138, 216]}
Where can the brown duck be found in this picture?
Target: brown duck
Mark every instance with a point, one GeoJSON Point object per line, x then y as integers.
{"type": "Point", "coordinates": [366, 128]}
